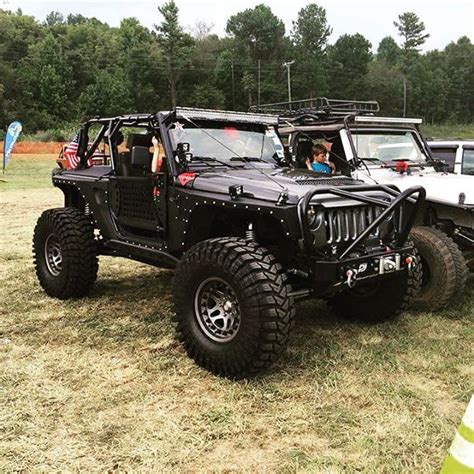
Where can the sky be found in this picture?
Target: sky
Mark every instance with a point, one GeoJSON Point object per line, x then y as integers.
{"type": "Point", "coordinates": [445, 21]}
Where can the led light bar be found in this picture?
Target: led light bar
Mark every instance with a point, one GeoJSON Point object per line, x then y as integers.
{"type": "Point", "coordinates": [394, 120]}
{"type": "Point", "coordinates": [225, 116]}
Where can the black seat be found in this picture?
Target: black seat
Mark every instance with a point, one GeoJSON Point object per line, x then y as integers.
{"type": "Point", "coordinates": [136, 162]}
{"type": "Point", "coordinates": [140, 161]}
{"type": "Point", "coordinates": [303, 152]}
{"type": "Point", "coordinates": [139, 139]}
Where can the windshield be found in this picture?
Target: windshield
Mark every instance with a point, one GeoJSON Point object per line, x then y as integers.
{"type": "Point", "coordinates": [229, 142]}
{"type": "Point", "coordinates": [388, 146]}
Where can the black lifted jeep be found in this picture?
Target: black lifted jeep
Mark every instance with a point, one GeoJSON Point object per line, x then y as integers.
{"type": "Point", "coordinates": [246, 234]}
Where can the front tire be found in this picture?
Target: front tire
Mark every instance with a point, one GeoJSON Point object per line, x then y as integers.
{"type": "Point", "coordinates": [65, 253]}
{"type": "Point", "coordinates": [444, 268]}
{"type": "Point", "coordinates": [233, 308]}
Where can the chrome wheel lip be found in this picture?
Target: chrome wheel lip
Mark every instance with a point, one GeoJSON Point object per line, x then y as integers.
{"type": "Point", "coordinates": [217, 309]}
{"type": "Point", "coordinates": [53, 255]}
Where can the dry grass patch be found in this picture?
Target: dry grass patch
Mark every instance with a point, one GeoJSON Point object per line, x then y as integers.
{"type": "Point", "coordinates": [101, 383]}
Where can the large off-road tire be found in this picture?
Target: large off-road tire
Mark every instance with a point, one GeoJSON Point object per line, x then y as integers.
{"type": "Point", "coordinates": [380, 299]}
{"type": "Point", "coordinates": [233, 308]}
{"type": "Point", "coordinates": [444, 268]}
{"type": "Point", "coordinates": [65, 253]}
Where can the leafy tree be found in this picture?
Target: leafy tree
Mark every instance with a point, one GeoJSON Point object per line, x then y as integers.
{"type": "Point", "coordinates": [76, 19]}
{"type": "Point", "coordinates": [206, 96]}
{"type": "Point", "coordinates": [58, 70]}
{"type": "Point", "coordinates": [54, 18]}
{"type": "Point", "coordinates": [411, 30]}
{"type": "Point", "coordinates": [109, 95]}
{"type": "Point", "coordinates": [388, 51]}
{"type": "Point", "coordinates": [256, 34]}
{"type": "Point", "coordinates": [88, 48]}
{"type": "Point", "coordinates": [49, 80]}
{"type": "Point", "coordinates": [140, 59]}
{"type": "Point", "coordinates": [223, 77]}
{"type": "Point", "coordinates": [349, 60]}
{"type": "Point", "coordinates": [458, 69]}
{"type": "Point", "coordinates": [310, 30]}
{"type": "Point", "coordinates": [385, 84]}
{"type": "Point", "coordinates": [17, 33]}
{"type": "Point", "coordinates": [310, 37]}
{"type": "Point", "coordinates": [177, 46]}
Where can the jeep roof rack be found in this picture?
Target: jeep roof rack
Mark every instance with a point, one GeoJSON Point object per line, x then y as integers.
{"type": "Point", "coordinates": [319, 106]}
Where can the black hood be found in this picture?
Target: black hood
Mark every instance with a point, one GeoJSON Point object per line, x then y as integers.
{"type": "Point", "coordinates": [267, 183]}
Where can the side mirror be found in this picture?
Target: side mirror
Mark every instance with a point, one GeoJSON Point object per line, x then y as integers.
{"type": "Point", "coordinates": [285, 160]}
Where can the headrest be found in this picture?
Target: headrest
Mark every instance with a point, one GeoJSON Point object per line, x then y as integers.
{"type": "Point", "coordinates": [305, 148]}
{"type": "Point", "coordinates": [138, 139]}
{"type": "Point", "coordinates": [140, 157]}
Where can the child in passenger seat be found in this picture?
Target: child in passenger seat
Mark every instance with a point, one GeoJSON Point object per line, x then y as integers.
{"type": "Point", "coordinates": [319, 163]}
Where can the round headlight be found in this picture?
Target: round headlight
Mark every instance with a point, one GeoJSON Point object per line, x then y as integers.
{"type": "Point", "coordinates": [315, 217]}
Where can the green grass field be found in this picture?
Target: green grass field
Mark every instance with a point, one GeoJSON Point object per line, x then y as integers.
{"type": "Point", "coordinates": [449, 131]}
{"type": "Point", "coordinates": [101, 383]}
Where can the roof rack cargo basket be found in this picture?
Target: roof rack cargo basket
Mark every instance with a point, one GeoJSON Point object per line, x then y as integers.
{"type": "Point", "coordinates": [319, 106]}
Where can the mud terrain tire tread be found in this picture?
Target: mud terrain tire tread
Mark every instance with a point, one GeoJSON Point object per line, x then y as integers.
{"type": "Point", "coordinates": [75, 234]}
{"type": "Point", "coordinates": [449, 280]}
{"type": "Point", "coordinates": [267, 310]}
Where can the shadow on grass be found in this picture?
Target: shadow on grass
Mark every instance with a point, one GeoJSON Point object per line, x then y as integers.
{"type": "Point", "coordinates": [133, 288]}
{"type": "Point", "coordinates": [134, 311]}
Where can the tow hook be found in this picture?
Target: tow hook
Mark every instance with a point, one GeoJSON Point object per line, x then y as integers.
{"type": "Point", "coordinates": [352, 274]}
{"type": "Point", "coordinates": [411, 263]}
{"type": "Point", "coordinates": [351, 278]}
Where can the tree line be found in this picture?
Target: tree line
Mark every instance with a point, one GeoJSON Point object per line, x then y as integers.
{"type": "Point", "coordinates": [66, 69]}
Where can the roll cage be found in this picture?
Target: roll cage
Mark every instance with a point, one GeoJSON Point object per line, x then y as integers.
{"type": "Point", "coordinates": [160, 122]}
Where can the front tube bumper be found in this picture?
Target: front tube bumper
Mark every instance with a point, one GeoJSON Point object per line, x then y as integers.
{"type": "Point", "coordinates": [352, 192]}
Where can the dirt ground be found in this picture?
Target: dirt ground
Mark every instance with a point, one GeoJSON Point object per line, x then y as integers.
{"type": "Point", "coordinates": [101, 384]}
{"type": "Point", "coordinates": [35, 148]}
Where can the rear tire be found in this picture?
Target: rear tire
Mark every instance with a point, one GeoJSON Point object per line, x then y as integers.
{"type": "Point", "coordinates": [444, 268]}
{"type": "Point", "coordinates": [380, 299]}
{"type": "Point", "coordinates": [233, 308]}
{"type": "Point", "coordinates": [65, 253]}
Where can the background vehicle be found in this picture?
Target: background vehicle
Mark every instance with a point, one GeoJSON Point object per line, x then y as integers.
{"type": "Point", "coordinates": [246, 234]}
{"type": "Point", "coordinates": [392, 151]}
{"type": "Point", "coordinates": [458, 154]}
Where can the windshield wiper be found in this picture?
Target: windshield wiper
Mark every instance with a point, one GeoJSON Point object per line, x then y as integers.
{"type": "Point", "coordinates": [247, 159]}
{"type": "Point", "coordinates": [372, 159]}
{"type": "Point", "coordinates": [209, 160]}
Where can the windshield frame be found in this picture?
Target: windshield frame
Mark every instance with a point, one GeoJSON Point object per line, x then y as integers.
{"type": "Point", "coordinates": [354, 129]}
{"type": "Point", "coordinates": [247, 128]}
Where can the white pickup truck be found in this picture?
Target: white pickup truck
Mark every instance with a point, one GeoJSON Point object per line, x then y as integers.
{"type": "Point", "coordinates": [458, 154]}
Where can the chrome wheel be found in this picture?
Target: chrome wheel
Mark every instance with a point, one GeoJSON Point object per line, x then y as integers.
{"type": "Point", "coordinates": [53, 255]}
{"type": "Point", "coordinates": [217, 309]}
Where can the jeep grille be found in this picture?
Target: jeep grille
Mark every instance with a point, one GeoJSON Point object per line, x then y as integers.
{"type": "Point", "coordinates": [344, 225]}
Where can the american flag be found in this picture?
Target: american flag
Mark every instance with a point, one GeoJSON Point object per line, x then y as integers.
{"type": "Point", "coordinates": [70, 154]}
